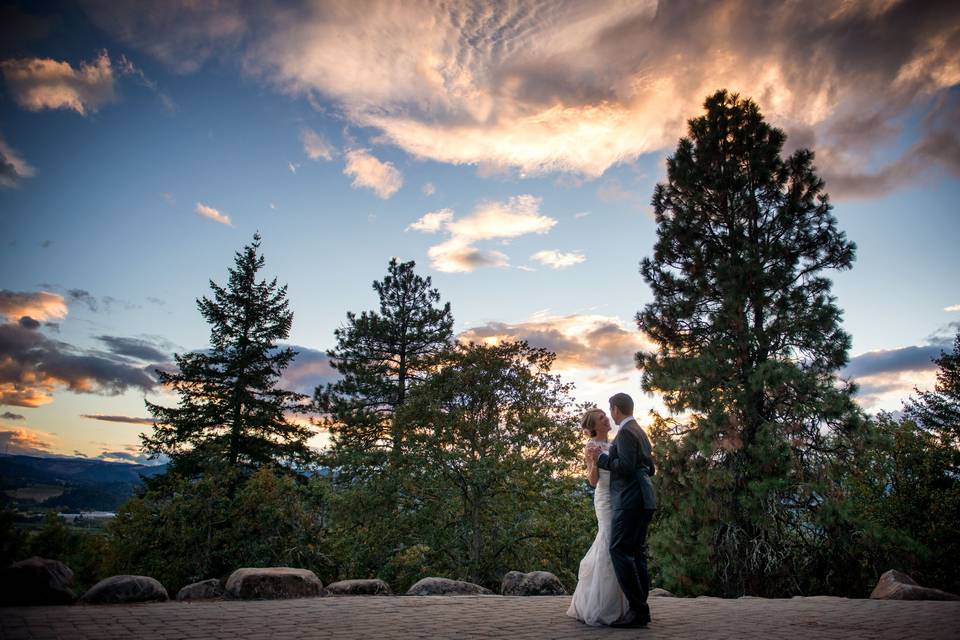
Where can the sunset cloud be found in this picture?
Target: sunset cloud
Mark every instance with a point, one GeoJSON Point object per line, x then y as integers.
{"type": "Point", "coordinates": [316, 146]}
{"type": "Point", "coordinates": [886, 377]}
{"type": "Point", "coordinates": [27, 442]}
{"type": "Point", "coordinates": [44, 83]}
{"type": "Point", "coordinates": [39, 305]}
{"type": "Point", "coordinates": [209, 212]}
{"type": "Point", "coordinates": [556, 259]}
{"type": "Point", "coordinates": [576, 86]}
{"type": "Point", "coordinates": [123, 419]}
{"type": "Point", "coordinates": [13, 168]}
{"type": "Point", "coordinates": [490, 220]}
{"type": "Point", "coordinates": [33, 366]}
{"type": "Point", "coordinates": [370, 173]}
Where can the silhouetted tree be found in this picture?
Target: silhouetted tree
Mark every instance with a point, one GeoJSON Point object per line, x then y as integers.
{"type": "Point", "coordinates": [938, 411]}
{"type": "Point", "coordinates": [230, 410]}
{"type": "Point", "coordinates": [380, 355]}
{"type": "Point", "coordinates": [749, 342]}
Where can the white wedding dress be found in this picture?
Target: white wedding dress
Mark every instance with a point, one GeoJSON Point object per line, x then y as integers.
{"type": "Point", "coordinates": [598, 600]}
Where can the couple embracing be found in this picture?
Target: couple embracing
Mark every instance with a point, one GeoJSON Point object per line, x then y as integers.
{"type": "Point", "coordinates": [613, 582]}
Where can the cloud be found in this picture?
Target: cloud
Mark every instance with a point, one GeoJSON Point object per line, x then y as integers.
{"type": "Point", "coordinates": [131, 453]}
{"type": "Point", "coordinates": [209, 212]}
{"type": "Point", "coordinates": [428, 189]}
{"type": "Point", "coordinates": [587, 342]}
{"type": "Point", "coordinates": [39, 305]}
{"type": "Point", "coordinates": [44, 83]}
{"type": "Point", "coordinates": [32, 366]}
{"type": "Point", "coordinates": [369, 172]}
{"type": "Point", "coordinates": [490, 220]}
{"type": "Point", "coordinates": [432, 222]}
{"type": "Point", "coordinates": [953, 307]}
{"type": "Point", "coordinates": [183, 34]}
{"type": "Point", "coordinates": [886, 377]}
{"type": "Point", "coordinates": [28, 442]}
{"type": "Point", "coordinates": [557, 260]}
{"type": "Point", "coordinates": [308, 369]}
{"type": "Point", "coordinates": [13, 168]}
{"type": "Point", "coordinates": [574, 86]}
{"type": "Point", "coordinates": [9, 415]}
{"type": "Point", "coordinates": [137, 348]}
{"type": "Point", "coordinates": [123, 419]}
{"type": "Point", "coordinates": [315, 146]}
{"type": "Point", "coordinates": [293, 167]}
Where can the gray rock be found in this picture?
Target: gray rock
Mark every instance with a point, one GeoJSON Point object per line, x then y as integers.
{"type": "Point", "coordinates": [535, 583]}
{"type": "Point", "coordinates": [36, 581]}
{"type": "Point", "coordinates": [125, 589]}
{"type": "Point", "coordinates": [660, 593]}
{"type": "Point", "coordinates": [446, 587]}
{"type": "Point", "coordinates": [374, 587]}
{"type": "Point", "coordinates": [894, 585]}
{"type": "Point", "coordinates": [205, 590]}
{"type": "Point", "coordinates": [273, 583]}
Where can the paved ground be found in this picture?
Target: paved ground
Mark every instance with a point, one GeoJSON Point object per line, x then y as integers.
{"type": "Point", "coordinates": [386, 618]}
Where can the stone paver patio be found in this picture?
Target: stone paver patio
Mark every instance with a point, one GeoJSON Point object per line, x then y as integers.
{"type": "Point", "coordinates": [483, 617]}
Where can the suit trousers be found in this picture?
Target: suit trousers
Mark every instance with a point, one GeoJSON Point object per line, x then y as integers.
{"type": "Point", "coordinates": [628, 551]}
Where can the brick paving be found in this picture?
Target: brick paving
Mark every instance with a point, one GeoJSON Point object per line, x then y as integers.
{"type": "Point", "coordinates": [482, 617]}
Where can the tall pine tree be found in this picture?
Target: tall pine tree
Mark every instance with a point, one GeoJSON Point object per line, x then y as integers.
{"type": "Point", "coordinates": [749, 343]}
{"type": "Point", "coordinates": [380, 355]}
{"type": "Point", "coordinates": [230, 410]}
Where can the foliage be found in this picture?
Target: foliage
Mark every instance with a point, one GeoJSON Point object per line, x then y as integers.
{"type": "Point", "coordinates": [749, 342]}
{"type": "Point", "coordinates": [906, 482]}
{"type": "Point", "coordinates": [381, 356]}
{"type": "Point", "coordinates": [86, 553]}
{"type": "Point", "coordinates": [192, 529]}
{"type": "Point", "coordinates": [230, 409]}
{"type": "Point", "coordinates": [492, 440]}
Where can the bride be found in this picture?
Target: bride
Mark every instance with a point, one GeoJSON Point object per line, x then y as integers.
{"type": "Point", "coordinates": [598, 600]}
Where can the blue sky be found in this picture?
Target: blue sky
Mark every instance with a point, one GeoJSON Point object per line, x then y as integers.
{"type": "Point", "coordinates": [332, 131]}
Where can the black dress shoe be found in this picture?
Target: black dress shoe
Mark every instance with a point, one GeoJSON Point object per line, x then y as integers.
{"type": "Point", "coordinates": [631, 620]}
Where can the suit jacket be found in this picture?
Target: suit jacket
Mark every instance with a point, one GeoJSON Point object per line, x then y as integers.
{"type": "Point", "coordinates": [630, 464]}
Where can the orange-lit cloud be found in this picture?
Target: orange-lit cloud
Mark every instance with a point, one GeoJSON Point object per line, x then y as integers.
{"type": "Point", "coordinates": [316, 146]}
{"type": "Point", "coordinates": [19, 440]}
{"type": "Point", "coordinates": [39, 305]}
{"type": "Point", "coordinates": [370, 173]}
{"type": "Point", "coordinates": [44, 83]}
{"type": "Point", "coordinates": [490, 220]}
{"type": "Point", "coordinates": [557, 259]}
{"type": "Point", "coordinates": [577, 86]}
{"type": "Point", "coordinates": [207, 211]}
{"type": "Point", "coordinates": [13, 168]}
{"type": "Point", "coordinates": [123, 419]}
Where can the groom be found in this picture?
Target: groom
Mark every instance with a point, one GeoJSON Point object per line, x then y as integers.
{"type": "Point", "coordinates": [630, 465]}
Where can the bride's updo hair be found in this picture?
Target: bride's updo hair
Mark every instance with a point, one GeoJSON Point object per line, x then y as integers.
{"type": "Point", "coordinates": [590, 418]}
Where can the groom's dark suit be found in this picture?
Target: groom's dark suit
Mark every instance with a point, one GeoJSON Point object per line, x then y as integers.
{"type": "Point", "coordinates": [630, 465]}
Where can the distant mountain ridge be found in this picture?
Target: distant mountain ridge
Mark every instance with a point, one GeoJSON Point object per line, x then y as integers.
{"type": "Point", "coordinates": [87, 484]}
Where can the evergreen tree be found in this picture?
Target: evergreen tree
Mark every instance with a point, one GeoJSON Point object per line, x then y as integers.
{"type": "Point", "coordinates": [230, 410]}
{"type": "Point", "coordinates": [939, 410]}
{"type": "Point", "coordinates": [749, 342]}
{"type": "Point", "coordinates": [380, 355]}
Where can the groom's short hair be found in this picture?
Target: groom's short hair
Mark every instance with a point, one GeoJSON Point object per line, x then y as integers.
{"type": "Point", "coordinates": [623, 402]}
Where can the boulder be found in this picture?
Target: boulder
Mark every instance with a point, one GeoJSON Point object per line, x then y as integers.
{"type": "Point", "coordinates": [375, 587]}
{"type": "Point", "coordinates": [446, 587]}
{"type": "Point", "coordinates": [535, 583]}
{"type": "Point", "coordinates": [273, 583]}
{"type": "Point", "coordinates": [36, 581]}
{"type": "Point", "coordinates": [894, 585]}
{"type": "Point", "coordinates": [660, 593]}
{"type": "Point", "coordinates": [205, 590]}
{"type": "Point", "coordinates": [125, 589]}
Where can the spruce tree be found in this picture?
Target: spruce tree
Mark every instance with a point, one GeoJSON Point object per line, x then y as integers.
{"type": "Point", "coordinates": [380, 355]}
{"type": "Point", "coordinates": [230, 410]}
{"type": "Point", "coordinates": [749, 342]}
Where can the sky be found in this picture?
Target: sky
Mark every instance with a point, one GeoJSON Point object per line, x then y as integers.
{"type": "Point", "coordinates": [510, 149]}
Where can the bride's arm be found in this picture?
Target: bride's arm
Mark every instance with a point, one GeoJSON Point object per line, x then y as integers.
{"type": "Point", "coordinates": [593, 472]}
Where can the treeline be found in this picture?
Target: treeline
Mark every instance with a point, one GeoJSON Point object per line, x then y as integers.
{"type": "Point", "coordinates": [464, 460]}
